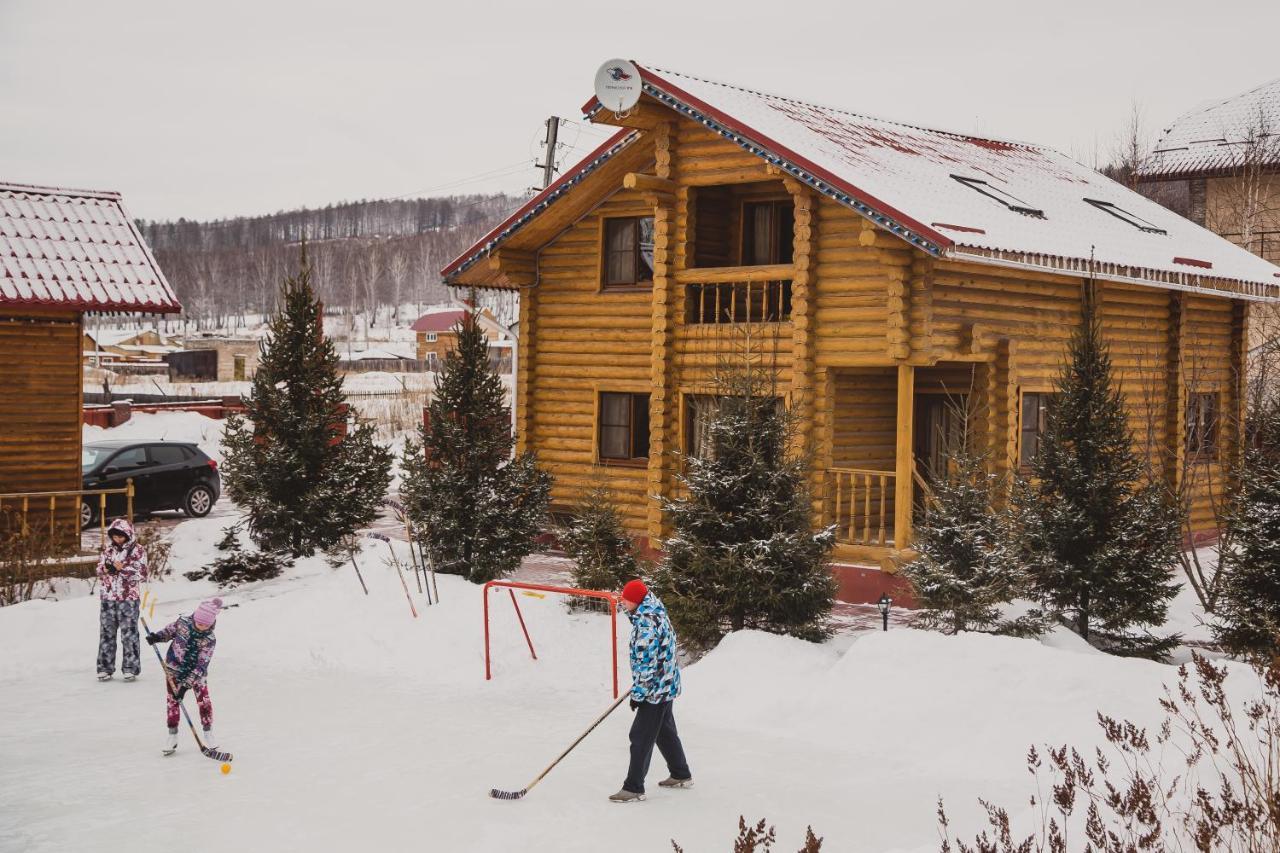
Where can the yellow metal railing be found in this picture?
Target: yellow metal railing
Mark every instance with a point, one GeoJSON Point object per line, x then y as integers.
{"type": "Point", "coordinates": [24, 505]}
{"type": "Point", "coordinates": [861, 511]}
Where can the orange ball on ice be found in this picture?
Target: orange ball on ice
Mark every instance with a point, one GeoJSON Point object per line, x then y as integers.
{"type": "Point", "coordinates": [226, 768]}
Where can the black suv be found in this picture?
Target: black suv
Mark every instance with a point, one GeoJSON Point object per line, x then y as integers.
{"type": "Point", "coordinates": [166, 475]}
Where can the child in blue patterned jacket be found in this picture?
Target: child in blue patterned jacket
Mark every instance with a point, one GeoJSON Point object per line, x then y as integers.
{"type": "Point", "coordinates": [655, 683]}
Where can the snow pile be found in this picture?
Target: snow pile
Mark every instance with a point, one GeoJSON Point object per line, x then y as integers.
{"type": "Point", "coordinates": [356, 726]}
{"type": "Point", "coordinates": [165, 426]}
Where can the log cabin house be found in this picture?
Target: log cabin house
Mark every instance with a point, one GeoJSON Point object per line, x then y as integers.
{"type": "Point", "coordinates": [888, 267]}
{"type": "Point", "coordinates": [63, 253]}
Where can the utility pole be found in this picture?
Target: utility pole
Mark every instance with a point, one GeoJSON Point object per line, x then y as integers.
{"type": "Point", "coordinates": [549, 167]}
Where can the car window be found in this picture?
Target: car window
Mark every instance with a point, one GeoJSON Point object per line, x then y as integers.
{"type": "Point", "coordinates": [167, 454]}
{"type": "Point", "coordinates": [134, 457]}
{"type": "Point", "coordinates": [91, 456]}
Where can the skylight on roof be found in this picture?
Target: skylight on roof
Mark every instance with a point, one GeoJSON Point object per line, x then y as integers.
{"type": "Point", "coordinates": [1009, 200]}
{"type": "Point", "coordinates": [1125, 216]}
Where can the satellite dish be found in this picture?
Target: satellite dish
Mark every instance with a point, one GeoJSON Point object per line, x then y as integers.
{"type": "Point", "coordinates": [618, 85]}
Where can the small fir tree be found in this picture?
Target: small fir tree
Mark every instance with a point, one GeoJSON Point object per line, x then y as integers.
{"type": "Point", "coordinates": [968, 566]}
{"type": "Point", "coordinates": [745, 553]}
{"type": "Point", "coordinates": [603, 553]}
{"type": "Point", "coordinates": [476, 509]}
{"type": "Point", "coordinates": [1247, 619]}
{"type": "Point", "coordinates": [302, 484]}
{"type": "Point", "coordinates": [1099, 539]}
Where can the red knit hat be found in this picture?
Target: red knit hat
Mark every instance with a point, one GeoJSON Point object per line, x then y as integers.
{"type": "Point", "coordinates": [635, 591]}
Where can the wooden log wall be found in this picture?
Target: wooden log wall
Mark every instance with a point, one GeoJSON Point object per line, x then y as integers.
{"type": "Point", "coordinates": [40, 408]}
{"type": "Point", "coordinates": [585, 341]}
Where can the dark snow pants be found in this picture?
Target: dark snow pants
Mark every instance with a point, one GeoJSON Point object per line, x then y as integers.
{"type": "Point", "coordinates": [655, 724]}
{"type": "Point", "coordinates": [118, 617]}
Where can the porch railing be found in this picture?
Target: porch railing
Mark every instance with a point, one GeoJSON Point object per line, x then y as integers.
{"type": "Point", "coordinates": [861, 512]}
{"type": "Point", "coordinates": [23, 504]}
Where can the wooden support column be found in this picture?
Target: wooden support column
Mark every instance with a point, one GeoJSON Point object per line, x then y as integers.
{"type": "Point", "coordinates": [1176, 392]}
{"type": "Point", "coordinates": [824, 443]}
{"type": "Point", "coordinates": [1239, 383]}
{"type": "Point", "coordinates": [804, 392]}
{"type": "Point", "coordinates": [526, 369]}
{"type": "Point", "coordinates": [898, 334]}
{"type": "Point", "coordinates": [920, 313]}
{"type": "Point", "coordinates": [802, 308]}
{"type": "Point", "coordinates": [663, 404]}
{"type": "Point", "coordinates": [1002, 436]}
{"type": "Point", "coordinates": [904, 457]}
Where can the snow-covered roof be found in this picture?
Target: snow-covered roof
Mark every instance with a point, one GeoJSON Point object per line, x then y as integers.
{"type": "Point", "coordinates": [1211, 138]}
{"type": "Point", "coordinates": [374, 353]}
{"type": "Point", "coordinates": [76, 249]}
{"type": "Point", "coordinates": [953, 195]}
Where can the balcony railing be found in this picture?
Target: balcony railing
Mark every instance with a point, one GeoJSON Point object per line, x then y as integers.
{"type": "Point", "coordinates": [754, 294]}
{"type": "Point", "coordinates": [861, 511]}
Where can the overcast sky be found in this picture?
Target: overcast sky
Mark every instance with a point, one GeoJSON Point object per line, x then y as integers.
{"type": "Point", "coordinates": [216, 109]}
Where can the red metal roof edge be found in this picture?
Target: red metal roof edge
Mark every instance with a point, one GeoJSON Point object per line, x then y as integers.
{"type": "Point", "coordinates": [85, 305]}
{"type": "Point", "coordinates": [535, 201]}
{"type": "Point", "coordinates": [787, 154]}
{"type": "Point", "coordinates": [37, 189]}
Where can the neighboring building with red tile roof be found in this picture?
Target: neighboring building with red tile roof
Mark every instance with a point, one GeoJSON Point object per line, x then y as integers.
{"type": "Point", "coordinates": [63, 253]}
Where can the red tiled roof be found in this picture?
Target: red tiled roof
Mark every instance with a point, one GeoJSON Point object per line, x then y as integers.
{"type": "Point", "coordinates": [76, 249]}
{"type": "Point", "coordinates": [437, 321]}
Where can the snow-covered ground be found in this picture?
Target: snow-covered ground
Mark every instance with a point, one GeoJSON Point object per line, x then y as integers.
{"type": "Point", "coordinates": [356, 726]}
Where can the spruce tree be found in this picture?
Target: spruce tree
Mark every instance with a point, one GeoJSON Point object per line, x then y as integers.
{"type": "Point", "coordinates": [968, 566]}
{"type": "Point", "coordinates": [744, 553]}
{"type": "Point", "coordinates": [1099, 536]}
{"type": "Point", "coordinates": [1247, 618]}
{"type": "Point", "coordinates": [603, 553]}
{"type": "Point", "coordinates": [476, 509]}
{"type": "Point", "coordinates": [302, 484]}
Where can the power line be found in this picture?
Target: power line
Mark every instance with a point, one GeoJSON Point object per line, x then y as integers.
{"type": "Point", "coordinates": [499, 172]}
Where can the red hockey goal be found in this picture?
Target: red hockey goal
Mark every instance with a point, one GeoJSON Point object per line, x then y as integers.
{"type": "Point", "coordinates": [512, 586]}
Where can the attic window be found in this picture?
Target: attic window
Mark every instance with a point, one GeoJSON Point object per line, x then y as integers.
{"type": "Point", "coordinates": [991, 191]}
{"type": "Point", "coordinates": [1125, 216]}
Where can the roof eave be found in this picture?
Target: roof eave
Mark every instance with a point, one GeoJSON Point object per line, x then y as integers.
{"type": "Point", "coordinates": [1193, 282]}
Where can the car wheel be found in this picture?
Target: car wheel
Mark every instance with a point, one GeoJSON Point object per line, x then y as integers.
{"type": "Point", "coordinates": [198, 502]}
{"type": "Point", "coordinates": [87, 514]}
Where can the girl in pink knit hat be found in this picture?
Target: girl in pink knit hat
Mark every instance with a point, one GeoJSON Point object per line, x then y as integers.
{"type": "Point", "coordinates": [187, 665]}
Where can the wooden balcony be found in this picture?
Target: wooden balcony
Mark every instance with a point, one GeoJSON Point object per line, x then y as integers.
{"type": "Point", "coordinates": [722, 295]}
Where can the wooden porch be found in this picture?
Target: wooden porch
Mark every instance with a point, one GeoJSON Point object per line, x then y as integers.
{"type": "Point", "coordinates": [890, 427]}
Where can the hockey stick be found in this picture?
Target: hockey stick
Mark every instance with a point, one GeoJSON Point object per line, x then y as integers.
{"type": "Point", "coordinates": [173, 691]}
{"type": "Point", "coordinates": [515, 795]}
{"type": "Point", "coordinates": [399, 569]}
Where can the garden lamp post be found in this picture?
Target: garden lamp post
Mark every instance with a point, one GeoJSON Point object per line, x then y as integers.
{"type": "Point", "coordinates": [884, 604]}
